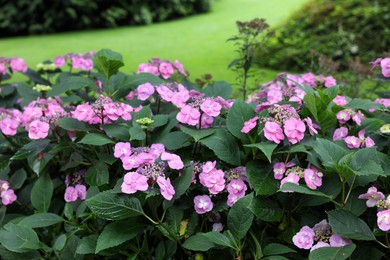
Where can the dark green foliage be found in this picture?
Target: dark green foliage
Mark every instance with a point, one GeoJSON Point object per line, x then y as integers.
{"type": "Point", "coordinates": [24, 17]}
{"type": "Point", "coordinates": [347, 32]}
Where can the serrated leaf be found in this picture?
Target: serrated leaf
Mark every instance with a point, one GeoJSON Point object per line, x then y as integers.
{"type": "Point", "coordinates": [87, 245]}
{"type": "Point", "coordinates": [332, 253]}
{"type": "Point", "coordinates": [261, 177]}
{"type": "Point", "coordinates": [182, 182]}
{"type": "Point", "coordinates": [71, 83]}
{"type": "Point", "coordinates": [219, 239]}
{"type": "Point", "coordinates": [197, 134]}
{"type": "Point", "coordinates": [174, 140]}
{"type": "Point", "coordinates": [238, 114]}
{"type": "Point", "coordinates": [95, 139]}
{"type": "Point", "coordinates": [121, 132]}
{"type": "Point", "coordinates": [97, 174]}
{"type": "Point", "coordinates": [364, 104]}
{"type": "Point", "coordinates": [266, 147]}
{"type": "Point", "coordinates": [329, 152]}
{"type": "Point", "coordinates": [108, 62]}
{"type": "Point", "coordinates": [72, 124]}
{"type": "Point", "coordinates": [41, 193]}
{"type": "Point", "coordinates": [266, 209]}
{"type": "Point", "coordinates": [18, 238]}
{"type": "Point", "coordinates": [198, 242]}
{"type": "Point", "coordinates": [31, 148]}
{"type": "Point", "coordinates": [240, 218]}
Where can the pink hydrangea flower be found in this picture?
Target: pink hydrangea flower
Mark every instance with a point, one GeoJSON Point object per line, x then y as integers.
{"type": "Point", "coordinates": [206, 121]}
{"type": "Point", "coordinates": [133, 182]}
{"type": "Point", "coordinates": [352, 142]}
{"type": "Point", "coordinates": [210, 107]}
{"type": "Point", "coordinates": [156, 150]}
{"type": "Point", "coordinates": [368, 142]}
{"type": "Point", "coordinates": [338, 241]}
{"type": "Point", "coordinates": [9, 126]}
{"type": "Point", "coordinates": [385, 65]}
{"type": "Point", "coordinates": [3, 68]}
{"type": "Point", "coordinates": [279, 170]}
{"type": "Point", "coordinates": [83, 112]}
{"type": "Point", "coordinates": [174, 161]}
{"type": "Point", "coordinates": [273, 132]}
{"type": "Point", "coordinates": [340, 133]}
{"type": "Point", "coordinates": [8, 196]}
{"type": "Point", "coordinates": [166, 188]}
{"type": "Point", "coordinates": [166, 69]}
{"type": "Point", "coordinates": [38, 129]}
{"type": "Point", "coordinates": [165, 93]}
{"type": "Point", "coordinates": [71, 194]}
{"type": "Point", "coordinates": [180, 98]}
{"type": "Point", "coordinates": [249, 125]}
{"type": "Point", "coordinates": [340, 100]}
{"type": "Point", "coordinates": [203, 204]}
{"type": "Point", "coordinates": [309, 79]}
{"type": "Point", "coordinates": [294, 129]}
{"type": "Point", "coordinates": [179, 67]}
{"type": "Point", "coordinates": [358, 117]}
{"type": "Point", "coordinates": [144, 91]}
{"type": "Point", "coordinates": [274, 96]}
{"type": "Point", "coordinates": [330, 82]}
{"type": "Point", "coordinates": [304, 239]}
{"type": "Point", "coordinates": [313, 178]}
{"type": "Point", "coordinates": [312, 126]}
{"type": "Point", "coordinates": [81, 191]}
{"type": "Point", "coordinates": [214, 181]}
{"type": "Point", "coordinates": [383, 220]}
{"type": "Point", "coordinates": [18, 65]}
{"type": "Point", "coordinates": [131, 162]}
{"type": "Point", "coordinates": [237, 187]}
{"type": "Point", "coordinates": [188, 115]}
{"type": "Point", "coordinates": [122, 149]}
{"type": "Point", "coordinates": [208, 166]}
{"type": "Point", "coordinates": [372, 196]}
{"type": "Point", "coordinates": [291, 177]}
{"type": "Point", "coordinates": [343, 116]}
{"type": "Point", "coordinates": [59, 61]}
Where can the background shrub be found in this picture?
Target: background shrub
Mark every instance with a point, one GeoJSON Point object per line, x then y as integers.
{"type": "Point", "coordinates": [343, 31]}
{"type": "Point", "coordinates": [25, 17]}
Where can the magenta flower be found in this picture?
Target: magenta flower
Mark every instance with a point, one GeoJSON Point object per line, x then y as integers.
{"type": "Point", "coordinates": [165, 93]}
{"type": "Point", "coordinates": [188, 115]}
{"type": "Point", "coordinates": [71, 194]}
{"type": "Point", "coordinates": [133, 182]}
{"type": "Point", "coordinates": [180, 98]}
{"type": "Point", "coordinates": [383, 220]}
{"type": "Point", "coordinates": [237, 187]}
{"type": "Point", "coordinates": [372, 196]}
{"type": "Point", "coordinates": [166, 69]}
{"type": "Point", "coordinates": [330, 82]}
{"type": "Point", "coordinates": [313, 178]}
{"type": "Point", "coordinates": [203, 204]}
{"type": "Point", "coordinates": [344, 116]}
{"type": "Point", "coordinates": [214, 181]}
{"type": "Point", "coordinates": [81, 191]}
{"type": "Point", "coordinates": [8, 197]}
{"type": "Point", "coordinates": [174, 161]}
{"type": "Point", "coordinates": [18, 65]}
{"type": "Point", "coordinates": [352, 142]}
{"type": "Point", "coordinates": [59, 61]}
{"type": "Point", "coordinates": [273, 132]}
{"type": "Point", "coordinates": [83, 112]}
{"type": "Point", "coordinates": [210, 107]}
{"type": "Point", "coordinates": [340, 100]}
{"type": "Point", "coordinates": [340, 133]}
{"type": "Point", "coordinates": [294, 129]}
{"type": "Point", "coordinates": [38, 129]}
{"type": "Point", "coordinates": [144, 91]}
{"type": "Point", "coordinates": [166, 188]}
{"type": "Point", "coordinates": [304, 239]}
{"type": "Point", "coordinates": [279, 170]}
{"type": "Point", "coordinates": [309, 79]}
{"type": "Point", "coordinates": [339, 241]}
{"type": "Point", "coordinates": [249, 125]}
{"type": "Point", "coordinates": [131, 162]}
{"type": "Point", "coordinates": [3, 68]}
{"type": "Point", "coordinates": [179, 67]}
{"type": "Point", "coordinates": [358, 117]}
{"type": "Point", "coordinates": [368, 142]}
{"type": "Point", "coordinates": [122, 149]}
{"type": "Point", "coordinates": [312, 127]}
{"type": "Point", "coordinates": [9, 126]}
{"type": "Point", "coordinates": [208, 166]}
{"type": "Point", "coordinates": [385, 65]}
{"type": "Point", "coordinates": [291, 177]}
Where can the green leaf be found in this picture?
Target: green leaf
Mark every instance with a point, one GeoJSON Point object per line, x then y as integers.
{"type": "Point", "coordinates": [198, 242]}
{"type": "Point", "coordinates": [9, 255]}
{"type": "Point", "coordinates": [39, 220]}
{"type": "Point", "coordinates": [137, 133]}
{"type": "Point", "coordinates": [327, 120]}
{"type": "Point", "coordinates": [72, 124]}
{"type": "Point", "coordinates": [364, 104]}
{"type": "Point", "coordinates": [261, 177]}
{"type": "Point", "coordinates": [219, 239]}
{"type": "Point", "coordinates": [71, 83]}
{"type": "Point", "coordinates": [97, 174]}
{"type": "Point", "coordinates": [31, 148]}
{"type": "Point", "coordinates": [87, 245]}
{"type": "Point", "coordinates": [288, 186]}
{"type": "Point", "coordinates": [329, 152]}
{"type": "Point", "coordinates": [346, 224]}
{"type": "Point", "coordinates": [277, 249]}
{"type": "Point", "coordinates": [240, 218]}
{"type": "Point", "coordinates": [218, 88]}
{"type": "Point", "coordinates": [159, 120]}
{"type": "Point", "coordinates": [95, 139]}
{"type": "Point", "coordinates": [332, 253]}
{"type": "Point", "coordinates": [197, 134]}
{"type": "Point", "coordinates": [131, 82]}
{"type": "Point", "coordinates": [60, 242]}
{"type": "Point", "coordinates": [121, 132]}
{"type": "Point", "coordinates": [174, 140]}
{"type": "Point", "coordinates": [266, 209]}
{"type": "Point", "coordinates": [17, 179]}
{"type": "Point", "coordinates": [224, 146]}
{"type": "Point", "coordinates": [311, 104]}
{"type": "Point", "coordinates": [41, 193]}
{"type": "Point", "coordinates": [108, 62]}
{"type": "Point", "coordinates": [366, 161]}
{"type": "Point", "coordinates": [182, 182]}
{"type": "Point", "coordinates": [266, 147]}
{"type": "Point", "coordinates": [332, 92]}
{"type": "Point", "coordinates": [116, 233]}
{"type": "Point", "coordinates": [18, 238]}
{"type": "Point", "coordinates": [111, 206]}
{"type": "Point", "coordinates": [238, 114]}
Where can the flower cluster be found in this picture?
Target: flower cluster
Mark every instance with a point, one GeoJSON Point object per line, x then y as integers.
{"type": "Point", "coordinates": [321, 235]}
{"type": "Point", "coordinates": [354, 142]}
{"type": "Point", "coordinates": [163, 68]}
{"type": "Point", "coordinates": [384, 63]}
{"type": "Point", "coordinates": [82, 61]}
{"type": "Point", "coordinates": [347, 114]}
{"type": "Point", "coordinates": [75, 186]}
{"type": "Point", "coordinates": [378, 199]}
{"type": "Point", "coordinates": [7, 194]}
{"type": "Point", "coordinates": [150, 163]}
{"type": "Point", "coordinates": [289, 172]}
{"type": "Point", "coordinates": [14, 65]}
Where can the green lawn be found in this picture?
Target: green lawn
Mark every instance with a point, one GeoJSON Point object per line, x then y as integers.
{"type": "Point", "coordinates": [198, 42]}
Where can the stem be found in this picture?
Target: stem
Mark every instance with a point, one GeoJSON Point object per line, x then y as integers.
{"type": "Point", "coordinates": [244, 84]}
{"type": "Point", "coordinates": [380, 243]}
{"type": "Point", "coordinates": [158, 105]}
{"type": "Point", "coordinates": [387, 241]}
{"type": "Point", "coordinates": [350, 189]}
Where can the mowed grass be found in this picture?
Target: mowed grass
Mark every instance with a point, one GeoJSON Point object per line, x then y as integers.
{"type": "Point", "coordinates": [198, 42]}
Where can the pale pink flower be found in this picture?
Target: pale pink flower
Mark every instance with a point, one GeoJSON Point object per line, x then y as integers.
{"type": "Point", "coordinates": [8, 197]}
{"type": "Point", "coordinates": [122, 149]}
{"type": "Point", "coordinates": [304, 239]}
{"type": "Point", "coordinates": [81, 191]}
{"type": "Point", "coordinates": [312, 126]}
{"type": "Point", "coordinates": [343, 116]}
{"type": "Point", "coordinates": [233, 198]}
{"type": "Point", "coordinates": [358, 117]}
{"type": "Point", "coordinates": [352, 142]}
{"type": "Point", "coordinates": [208, 166]}
{"type": "Point", "coordinates": [372, 196]}
{"type": "Point", "coordinates": [294, 129]}
{"type": "Point", "coordinates": [156, 150]}
{"type": "Point", "coordinates": [179, 67]}
{"type": "Point", "coordinates": [273, 132]}
{"type": "Point", "coordinates": [313, 178]}
{"type": "Point", "coordinates": [368, 142]}
{"type": "Point", "coordinates": [174, 161]}
{"type": "Point", "coordinates": [249, 125]}
{"type": "Point", "coordinates": [188, 115]}
{"type": "Point", "coordinates": [144, 91]}
{"type": "Point", "coordinates": [31, 113]}
{"type": "Point", "coordinates": [340, 133]}
{"type": "Point", "coordinates": [237, 187]}
{"type": "Point", "coordinates": [330, 82]}
{"type": "Point", "coordinates": [339, 241]}
{"type": "Point", "coordinates": [18, 65]}
{"type": "Point", "coordinates": [126, 111]}
{"type": "Point", "coordinates": [291, 177]}
{"type": "Point", "coordinates": [210, 107]}
{"type": "Point", "coordinates": [309, 79]}
{"type": "Point", "coordinates": [385, 65]}
{"type": "Point", "coordinates": [38, 129]}
{"type": "Point", "coordinates": [203, 204]}
{"type": "Point", "coordinates": [83, 112]}
{"type": "Point", "coordinates": [3, 68]}
{"type": "Point", "coordinates": [165, 93]}
{"type": "Point", "coordinates": [274, 96]}
{"type": "Point", "coordinates": [166, 69]}
{"type": "Point", "coordinates": [166, 188]}
{"type": "Point", "coordinates": [206, 121]}
{"type": "Point", "coordinates": [383, 220]}
{"type": "Point", "coordinates": [133, 182]}
{"type": "Point", "coordinates": [279, 170]}
{"type": "Point", "coordinates": [319, 245]}
{"type": "Point", "coordinates": [214, 181]}
{"type": "Point", "coordinates": [340, 100]}
{"type": "Point", "coordinates": [131, 162]}
{"type": "Point", "coordinates": [4, 185]}
{"type": "Point", "coordinates": [9, 126]}
{"type": "Point", "coordinates": [131, 95]}
{"type": "Point", "coordinates": [59, 61]}
{"type": "Point", "coordinates": [71, 194]}
{"type": "Point", "coordinates": [180, 98]}
{"type": "Point", "coordinates": [375, 63]}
